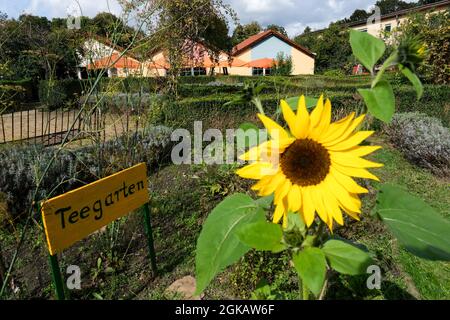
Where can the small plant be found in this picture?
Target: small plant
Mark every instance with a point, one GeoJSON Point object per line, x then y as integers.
{"type": "Point", "coordinates": [423, 140]}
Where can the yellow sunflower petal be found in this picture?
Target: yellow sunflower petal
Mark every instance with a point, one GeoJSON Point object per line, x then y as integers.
{"type": "Point", "coordinates": [347, 132]}
{"type": "Point", "coordinates": [256, 170]}
{"type": "Point", "coordinates": [274, 182]}
{"type": "Point", "coordinates": [336, 129]}
{"type": "Point", "coordinates": [350, 142]}
{"type": "Point", "coordinates": [282, 191]}
{"type": "Point", "coordinates": [343, 196]}
{"type": "Point", "coordinates": [316, 195]}
{"type": "Point", "coordinates": [316, 114]}
{"type": "Point", "coordinates": [303, 119]}
{"type": "Point", "coordinates": [278, 213]}
{"type": "Point", "coordinates": [274, 129]}
{"type": "Point", "coordinates": [285, 216]}
{"type": "Point", "coordinates": [355, 172]}
{"type": "Point", "coordinates": [332, 206]}
{"type": "Point", "coordinates": [262, 183]}
{"type": "Point", "coordinates": [324, 122]}
{"type": "Point", "coordinates": [361, 151]}
{"type": "Point", "coordinates": [346, 159]}
{"type": "Point", "coordinates": [347, 182]}
{"type": "Point", "coordinates": [265, 149]}
{"type": "Point", "coordinates": [294, 198]}
{"type": "Point", "coordinates": [307, 206]}
{"type": "Point", "coordinates": [290, 117]}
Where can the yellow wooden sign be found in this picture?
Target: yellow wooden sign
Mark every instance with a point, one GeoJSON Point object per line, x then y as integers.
{"type": "Point", "coordinates": [76, 214]}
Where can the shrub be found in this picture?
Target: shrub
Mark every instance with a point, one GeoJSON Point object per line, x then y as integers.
{"type": "Point", "coordinates": [57, 93]}
{"type": "Point", "coordinates": [334, 73]}
{"type": "Point", "coordinates": [11, 97]}
{"type": "Point", "coordinates": [423, 141]}
{"type": "Point", "coordinates": [21, 167]}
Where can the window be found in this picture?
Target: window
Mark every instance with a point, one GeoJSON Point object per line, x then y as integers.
{"type": "Point", "coordinates": [186, 72]}
{"type": "Point", "coordinates": [199, 71]}
{"type": "Point", "coordinates": [387, 28]}
{"type": "Point", "coordinates": [225, 71]}
{"type": "Point", "coordinates": [268, 71]}
{"type": "Point", "coordinates": [257, 71]}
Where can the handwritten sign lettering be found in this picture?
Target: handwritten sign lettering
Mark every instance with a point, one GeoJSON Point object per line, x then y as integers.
{"type": "Point", "coordinates": [74, 215]}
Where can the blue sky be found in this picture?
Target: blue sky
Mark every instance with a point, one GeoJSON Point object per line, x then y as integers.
{"type": "Point", "coordinates": [294, 15]}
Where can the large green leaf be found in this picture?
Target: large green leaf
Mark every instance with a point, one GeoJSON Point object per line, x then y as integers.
{"type": "Point", "coordinates": [311, 266]}
{"type": "Point", "coordinates": [414, 79]}
{"type": "Point", "coordinates": [218, 245]}
{"type": "Point", "coordinates": [293, 102]}
{"type": "Point", "coordinates": [380, 100]}
{"type": "Point", "coordinates": [417, 226]}
{"type": "Point", "coordinates": [346, 258]}
{"type": "Point", "coordinates": [367, 48]}
{"type": "Point", "coordinates": [262, 235]}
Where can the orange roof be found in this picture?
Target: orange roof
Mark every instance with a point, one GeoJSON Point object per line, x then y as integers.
{"type": "Point", "coordinates": [257, 38]}
{"type": "Point", "coordinates": [260, 63]}
{"type": "Point", "coordinates": [115, 61]}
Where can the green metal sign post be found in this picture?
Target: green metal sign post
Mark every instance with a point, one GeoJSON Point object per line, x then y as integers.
{"type": "Point", "coordinates": [57, 278]}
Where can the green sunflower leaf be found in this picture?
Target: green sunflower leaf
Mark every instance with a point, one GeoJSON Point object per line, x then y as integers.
{"type": "Point", "coordinates": [218, 245]}
{"type": "Point", "coordinates": [414, 79]}
{"type": "Point", "coordinates": [417, 226]}
{"type": "Point", "coordinates": [380, 100]}
{"type": "Point", "coordinates": [310, 102]}
{"type": "Point", "coordinates": [367, 48]}
{"type": "Point", "coordinates": [346, 258]}
{"type": "Point", "coordinates": [311, 266]}
{"type": "Point", "coordinates": [263, 236]}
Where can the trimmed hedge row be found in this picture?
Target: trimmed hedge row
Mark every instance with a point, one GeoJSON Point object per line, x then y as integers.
{"type": "Point", "coordinates": [211, 111]}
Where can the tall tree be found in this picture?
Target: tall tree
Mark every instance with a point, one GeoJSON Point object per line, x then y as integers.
{"type": "Point", "coordinates": [242, 32]}
{"type": "Point", "coordinates": [277, 28]}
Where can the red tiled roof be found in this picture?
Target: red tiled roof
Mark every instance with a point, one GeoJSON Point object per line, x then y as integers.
{"type": "Point", "coordinates": [257, 38]}
{"type": "Point", "coordinates": [115, 61]}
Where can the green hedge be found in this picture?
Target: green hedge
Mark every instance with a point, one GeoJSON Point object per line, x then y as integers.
{"type": "Point", "coordinates": [213, 114]}
{"type": "Point", "coordinates": [58, 93]}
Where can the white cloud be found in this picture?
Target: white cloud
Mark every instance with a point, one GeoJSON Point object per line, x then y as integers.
{"type": "Point", "coordinates": [58, 8]}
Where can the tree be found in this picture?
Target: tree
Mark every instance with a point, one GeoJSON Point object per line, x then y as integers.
{"type": "Point", "coordinates": [242, 32]}
{"type": "Point", "coordinates": [358, 15]}
{"type": "Point", "coordinates": [331, 46]}
{"type": "Point", "coordinates": [433, 32]}
{"type": "Point", "coordinates": [177, 26]}
{"type": "Point", "coordinates": [389, 6]}
{"type": "Point", "coordinates": [277, 28]}
{"type": "Point", "coordinates": [282, 65]}
{"type": "Point", "coordinates": [423, 2]}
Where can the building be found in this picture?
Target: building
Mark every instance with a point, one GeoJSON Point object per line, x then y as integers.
{"type": "Point", "coordinates": [260, 50]}
{"type": "Point", "coordinates": [254, 56]}
{"type": "Point", "coordinates": [101, 55]}
{"type": "Point", "coordinates": [388, 23]}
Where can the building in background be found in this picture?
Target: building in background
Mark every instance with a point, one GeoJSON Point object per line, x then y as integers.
{"type": "Point", "coordinates": [259, 50]}
{"type": "Point", "coordinates": [388, 23]}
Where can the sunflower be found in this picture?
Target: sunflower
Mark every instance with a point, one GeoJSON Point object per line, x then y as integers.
{"type": "Point", "coordinates": [310, 167]}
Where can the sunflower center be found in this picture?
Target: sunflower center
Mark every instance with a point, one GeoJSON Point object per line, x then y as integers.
{"type": "Point", "coordinates": [305, 162]}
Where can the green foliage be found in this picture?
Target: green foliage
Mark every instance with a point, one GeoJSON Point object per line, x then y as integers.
{"type": "Point", "coordinates": [433, 31]}
{"type": "Point", "coordinates": [346, 258]}
{"type": "Point", "coordinates": [380, 100]}
{"type": "Point", "coordinates": [218, 245]}
{"type": "Point", "coordinates": [242, 32]}
{"type": "Point", "coordinates": [263, 236]}
{"type": "Point", "coordinates": [282, 65]}
{"type": "Point", "coordinates": [331, 46]}
{"type": "Point", "coordinates": [56, 94]}
{"type": "Point", "coordinates": [366, 48]}
{"type": "Point", "coordinates": [420, 229]}
{"type": "Point", "coordinates": [422, 140]}
{"type": "Point", "coordinates": [21, 167]}
{"type": "Point", "coordinates": [311, 266]}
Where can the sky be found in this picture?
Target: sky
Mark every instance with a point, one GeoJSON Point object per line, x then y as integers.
{"type": "Point", "coordinates": [293, 15]}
